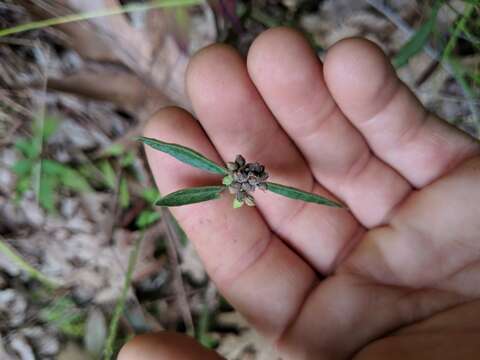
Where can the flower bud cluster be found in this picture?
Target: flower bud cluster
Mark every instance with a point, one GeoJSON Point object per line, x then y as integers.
{"type": "Point", "coordinates": [244, 178]}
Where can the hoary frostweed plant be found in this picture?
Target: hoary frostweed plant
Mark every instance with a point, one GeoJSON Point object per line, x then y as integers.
{"type": "Point", "coordinates": [239, 177]}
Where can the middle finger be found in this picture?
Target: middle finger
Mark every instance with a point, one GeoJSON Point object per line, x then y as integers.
{"type": "Point", "coordinates": [238, 122]}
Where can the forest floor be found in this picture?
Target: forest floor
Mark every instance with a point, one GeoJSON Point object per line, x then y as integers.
{"type": "Point", "coordinates": [76, 193]}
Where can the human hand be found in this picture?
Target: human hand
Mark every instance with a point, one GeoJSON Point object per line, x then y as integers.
{"type": "Point", "coordinates": [395, 276]}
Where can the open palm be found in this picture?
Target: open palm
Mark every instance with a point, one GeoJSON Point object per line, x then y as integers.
{"type": "Point", "coordinates": [318, 282]}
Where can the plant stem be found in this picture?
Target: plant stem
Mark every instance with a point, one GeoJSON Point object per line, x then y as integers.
{"type": "Point", "coordinates": [96, 14]}
{"type": "Point", "coordinates": [452, 42]}
{"type": "Point", "coordinates": [120, 306]}
{"type": "Point", "coordinates": [16, 258]}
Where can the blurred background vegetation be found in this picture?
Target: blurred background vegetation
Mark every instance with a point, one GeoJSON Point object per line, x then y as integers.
{"type": "Point", "coordinates": [86, 261]}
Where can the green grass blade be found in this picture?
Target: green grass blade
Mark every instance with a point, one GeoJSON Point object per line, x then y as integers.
{"type": "Point", "coordinates": [47, 193]}
{"type": "Point", "coordinates": [72, 179]}
{"type": "Point", "coordinates": [22, 167]}
{"type": "Point", "coordinates": [16, 258]}
{"type": "Point", "coordinates": [27, 147]}
{"type": "Point", "coordinates": [120, 306]}
{"type": "Point", "coordinates": [109, 176]}
{"type": "Point", "coordinates": [297, 194]}
{"type": "Point", "coordinates": [416, 43]}
{"type": "Point", "coordinates": [147, 218]}
{"type": "Point", "coordinates": [124, 194]}
{"type": "Point", "coordinates": [96, 14]}
{"type": "Point", "coordinates": [64, 315]}
{"type": "Point", "coordinates": [191, 196]}
{"type": "Point", "coordinates": [186, 155]}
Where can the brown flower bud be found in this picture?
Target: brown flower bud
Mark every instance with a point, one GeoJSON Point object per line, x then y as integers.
{"type": "Point", "coordinates": [240, 160]}
{"type": "Point", "coordinates": [262, 186]}
{"type": "Point", "coordinates": [232, 166]}
{"type": "Point", "coordinates": [247, 177]}
{"type": "Point", "coordinates": [240, 195]}
{"type": "Point", "coordinates": [249, 200]}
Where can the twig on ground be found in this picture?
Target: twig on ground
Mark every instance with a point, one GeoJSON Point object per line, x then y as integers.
{"type": "Point", "coordinates": [16, 258]}
{"type": "Point", "coordinates": [172, 240]}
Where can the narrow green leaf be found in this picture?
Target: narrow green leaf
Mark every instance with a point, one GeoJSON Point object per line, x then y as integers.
{"type": "Point", "coordinates": [67, 176]}
{"type": "Point", "coordinates": [65, 315]}
{"type": "Point", "coordinates": [191, 196]}
{"type": "Point", "coordinates": [147, 218]}
{"type": "Point", "coordinates": [51, 167]}
{"type": "Point", "coordinates": [128, 159]}
{"type": "Point", "coordinates": [150, 195]}
{"type": "Point", "coordinates": [50, 126]}
{"type": "Point", "coordinates": [28, 148]}
{"type": "Point", "coordinates": [109, 177]}
{"type": "Point", "coordinates": [47, 192]}
{"type": "Point", "coordinates": [44, 128]}
{"type": "Point", "coordinates": [114, 150]}
{"type": "Point", "coordinates": [416, 43]}
{"type": "Point", "coordinates": [75, 181]}
{"type": "Point", "coordinates": [23, 184]}
{"type": "Point", "coordinates": [293, 193]}
{"type": "Point", "coordinates": [22, 167]}
{"type": "Point", "coordinates": [124, 195]}
{"type": "Point", "coordinates": [186, 155]}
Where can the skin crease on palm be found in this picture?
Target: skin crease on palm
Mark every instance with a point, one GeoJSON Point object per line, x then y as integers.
{"type": "Point", "coordinates": [395, 275]}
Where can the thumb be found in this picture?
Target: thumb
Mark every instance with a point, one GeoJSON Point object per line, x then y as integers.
{"type": "Point", "coordinates": [166, 345]}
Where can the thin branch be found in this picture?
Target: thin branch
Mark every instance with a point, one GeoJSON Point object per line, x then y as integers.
{"type": "Point", "coordinates": [95, 14]}
{"type": "Point", "coordinates": [182, 301]}
{"type": "Point", "coordinates": [16, 258]}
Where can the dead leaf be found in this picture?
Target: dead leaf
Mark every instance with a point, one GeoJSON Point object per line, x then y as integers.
{"type": "Point", "coordinates": [95, 332]}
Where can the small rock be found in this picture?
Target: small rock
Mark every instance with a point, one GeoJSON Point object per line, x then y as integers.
{"type": "Point", "coordinates": [8, 266]}
{"type": "Point", "coordinates": [61, 234]}
{"type": "Point", "coordinates": [45, 343]}
{"type": "Point", "coordinates": [3, 282]}
{"type": "Point", "coordinates": [22, 347]}
{"type": "Point", "coordinates": [13, 307]}
{"type": "Point", "coordinates": [4, 355]}
{"type": "Point", "coordinates": [95, 333]}
{"type": "Point", "coordinates": [70, 132]}
{"type": "Point", "coordinates": [79, 224]}
{"type": "Point", "coordinates": [72, 352]}
{"type": "Point", "coordinates": [33, 212]}
{"type": "Point", "coordinates": [7, 180]}
{"type": "Point", "coordinates": [11, 216]}
{"type": "Point", "coordinates": [96, 205]}
{"type": "Point", "coordinates": [69, 207]}
{"type": "Point", "coordinates": [8, 157]}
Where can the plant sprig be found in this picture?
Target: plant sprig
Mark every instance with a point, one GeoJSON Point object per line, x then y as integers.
{"type": "Point", "coordinates": [239, 177]}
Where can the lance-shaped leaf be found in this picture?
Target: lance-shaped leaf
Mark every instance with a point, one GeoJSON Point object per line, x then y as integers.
{"type": "Point", "coordinates": [297, 194]}
{"type": "Point", "coordinates": [184, 154]}
{"type": "Point", "coordinates": [416, 43]}
{"type": "Point", "coordinates": [191, 196]}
